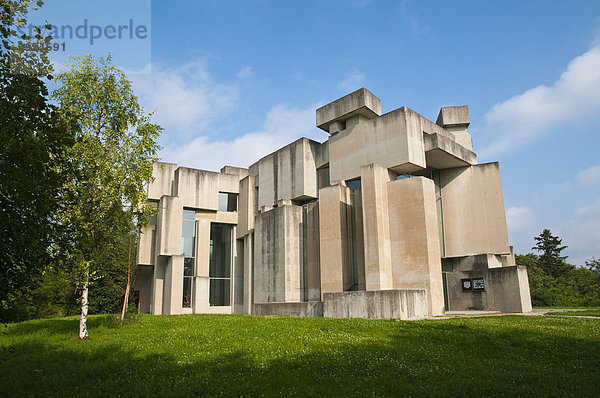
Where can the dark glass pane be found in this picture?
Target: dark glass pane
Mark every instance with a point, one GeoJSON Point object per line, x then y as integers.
{"type": "Point", "coordinates": [354, 184]}
{"type": "Point", "coordinates": [219, 292]}
{"type": "Point", "coordinates": [187, 292]}
{"type": "Point", "coordinates": [232, 202]}
{"type": "Point", "coordinates": [188, 267]}
{"type": "Point", "coordinates": [220, 256]}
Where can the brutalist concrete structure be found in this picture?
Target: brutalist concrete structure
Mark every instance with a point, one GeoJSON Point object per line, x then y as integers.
{"type": "Point", "coordinates": [391, 217]}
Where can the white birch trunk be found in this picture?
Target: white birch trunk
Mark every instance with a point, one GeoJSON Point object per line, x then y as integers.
{"type": "Point", "coordinates": [83, 333]}
{"type": "Point", "coordinates": [126, 299]}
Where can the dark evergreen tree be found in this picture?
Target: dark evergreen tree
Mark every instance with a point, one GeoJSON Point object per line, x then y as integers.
{"type": "Point", "coordinates": [550, 247]}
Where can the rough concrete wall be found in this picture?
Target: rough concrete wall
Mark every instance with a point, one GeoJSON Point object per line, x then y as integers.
{"type": "Point", "coordinates": [289, 174]}
{"type": "Point", "coordinates": [163, 175]}
{"type": "Point", "coordinates": [382, 304]}
{"type": "Point", "coordinates": [238, 278]}
{"type": "Point", "coordinates": [376, 228]}
{"type": "Point", "coordinates": [415, 247]}
{"type": "Point", "coordinates": [143, 284]}
{"type": "Point", "coordinates": [506, 290]}
{"type": "Point", "coordinates": [473, 208]}
{"type": "Point", "coordinates": [277, 266]}
{"type": "Point", "coordinates": [313, 252]}
{"type": "Point", "coordinates": [197, 189]}
{"type": "Point", "coordinates": [302, 309]}
{"type": "Point", "coordinates": [173, 286]}
{"type": "Point", "coordinates": [158, 285]}
{"type": "Point", "coordinates": [334, 205]}
{"type": "Point", "coordinates": [248, 274]}
{"type": "Point", "coordinates": [246, 206]}
{"type": "Point", "coordinates": [169, 221]}
{"type": "Point", "coordinates": [146, 245]}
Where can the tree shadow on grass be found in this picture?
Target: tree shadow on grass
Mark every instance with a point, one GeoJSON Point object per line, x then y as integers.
{"type": "Point", "coordinates": [428, 358]}
{"type": "Point", "coordinates": [64, 325]}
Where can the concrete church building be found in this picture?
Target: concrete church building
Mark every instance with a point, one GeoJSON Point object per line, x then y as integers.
{"type": "Point", "coordinates": [391, 217]}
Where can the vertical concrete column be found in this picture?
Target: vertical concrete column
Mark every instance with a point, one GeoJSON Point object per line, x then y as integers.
{"type": "Point", "coordinates": [170, 218]}
{"type": "Point", "coordinates": [333, 204]}
{"type": "Point", "coordinates": [173, 286]}
{"type": "Point", "coordinates": [292, 218]}
{"type": "Point", "coordinates": [416, 261]}
{"type": "Point", "coordinates": [158, 285]}
{"type": "Point", "coordinates": [248, 297]}
{"type": "Point", "coordinates": [313, 277]}
{"type": "Point", "coordinates": [376, 229]}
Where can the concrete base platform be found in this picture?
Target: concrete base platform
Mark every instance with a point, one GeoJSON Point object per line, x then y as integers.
{"type": "Point", "coordinates": [380, 304]}
{"type": "Point", "coordinates": [301, 309]}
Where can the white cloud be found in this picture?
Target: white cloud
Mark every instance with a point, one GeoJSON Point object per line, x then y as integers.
{"type": "Point", "coordinates": [527, 117]}
{"type": "Point", "coordinates": [186, 99]}
{"type": "Point", "coordinates": [583, 233]}
{"type": "Point", "coordinates": [353, 81]}
{"type": "Point", "coordinates": [589, 176]}
{"type": "Point", "coordinates": [246, 72]}
{"type": "Point", "coordinates": [283, 125]}
{"type": "Point", "coordinates": [519, 218]}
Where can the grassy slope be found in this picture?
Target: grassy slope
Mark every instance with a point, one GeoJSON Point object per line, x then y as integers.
{"type": "Point", "coordinates": [237, 355]}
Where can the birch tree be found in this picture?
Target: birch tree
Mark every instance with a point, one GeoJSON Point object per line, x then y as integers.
{"type": "Point", "coordinates": [112, 156]}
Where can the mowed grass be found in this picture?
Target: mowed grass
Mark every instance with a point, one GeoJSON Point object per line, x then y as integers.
{"type": "Point", "coordinates": [592, 312]}
{"type": "Point", "coordinates": [232, 355]}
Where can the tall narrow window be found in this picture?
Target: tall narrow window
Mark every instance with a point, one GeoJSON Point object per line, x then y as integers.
{"type": "Point", "coordinates": [220, 264]}
{"type": "Point", "coordinates": [188, 250]}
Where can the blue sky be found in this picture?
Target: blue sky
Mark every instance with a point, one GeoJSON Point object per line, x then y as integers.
{"type": "Point", "coordinates": [230, 81]}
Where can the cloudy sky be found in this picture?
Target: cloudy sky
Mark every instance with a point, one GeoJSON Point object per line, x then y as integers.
{"type": "Point", "coordinates": [231, 81]}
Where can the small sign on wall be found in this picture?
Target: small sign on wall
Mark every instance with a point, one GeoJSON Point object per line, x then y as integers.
{"type": "Point", "coordinates": [466, 284]}
{"type": "Point", "coordinates": [478, 284]}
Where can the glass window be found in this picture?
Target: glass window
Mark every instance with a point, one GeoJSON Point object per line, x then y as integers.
{"type": "Point", "coordinates": [188, 249]}
{"type": "Point", "coordinates": [219, 292]}
{"type": "Point", "coordinates": [227, 201]}
{"type": "Point", "coordinates": [354, 184]}
{"type": "Point", "coordinates": [219, 269]}
{"type": "Point", "coordinates": [188, 234]}
{"type": "Point", "coordinates": [187, 292]}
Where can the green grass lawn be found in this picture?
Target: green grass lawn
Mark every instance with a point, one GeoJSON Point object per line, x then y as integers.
{"type": "Point", "coordinates": [236, 355]}
{"type": "Point", "coordinates": [592, 312]}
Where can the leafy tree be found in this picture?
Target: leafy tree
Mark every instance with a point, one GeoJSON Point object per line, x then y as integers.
{"type": "Point", "coordinates": [550, 247]}
{"type": "Point", "coordinates": [34, 164]}
{"type": "Point", "coordinates": [113, 156]}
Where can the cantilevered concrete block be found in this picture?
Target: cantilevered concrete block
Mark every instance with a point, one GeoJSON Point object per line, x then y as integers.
{"type": "Point", "coordinates": [455, 119]}
{"type": "Point", "coordinates": [393, 140]}
{"type": "Point", "coordinates": [454, 116]}
{"type": "Point", "coordinates": [361, 102]}
{"type": "Point", "coordinates": [473, 208]}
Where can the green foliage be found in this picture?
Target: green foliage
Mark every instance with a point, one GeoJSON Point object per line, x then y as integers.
{"type": "Point", "coordinates": [231, 355]}
{"type": "Point", "coordinates": [34, 167]}
{"type": "Point", "coordinates": [21, 53]}
{"type": "Point", "coordinates": [113, 156]}
{"type": "Point", "coordinates": [550, 259]}
{"type": "Point", "coordinates": [554, 282]}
